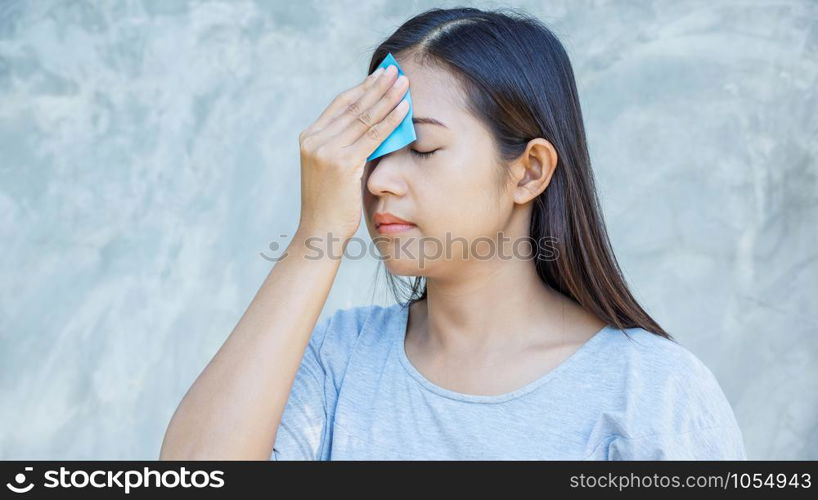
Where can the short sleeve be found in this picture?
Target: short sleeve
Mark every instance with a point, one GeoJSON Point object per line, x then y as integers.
{"type": "Point", "coordinates": [679, 411]}
{"type": "Point", "coordinates": [714, 443]}
{"type": "Point", "coordinates": [688, 418]}
{"type": "Point", "coordinates": [303, 432]}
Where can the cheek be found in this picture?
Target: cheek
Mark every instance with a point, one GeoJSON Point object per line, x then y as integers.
{"type": "Point", "coordinates": [465, 207]}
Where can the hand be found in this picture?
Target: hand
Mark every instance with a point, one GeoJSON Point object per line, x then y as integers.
{"type": "Point", "coordinates": [335, 147]}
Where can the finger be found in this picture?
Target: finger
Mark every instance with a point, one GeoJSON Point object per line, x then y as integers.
{"type": "Point", "coordinates": [361, 109]}
{"type": "Point", "coordinates": [374, 136]}
{"type": "Point", "coordinates": [368, 122]}
{"type": "Point", "coordinates": [344, 99]}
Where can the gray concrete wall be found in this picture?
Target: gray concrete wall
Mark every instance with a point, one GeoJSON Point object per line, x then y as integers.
{"type": "Point", "coordinates": [149, 154]}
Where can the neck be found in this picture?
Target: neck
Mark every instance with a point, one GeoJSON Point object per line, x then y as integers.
{"type": "Point", "coordinates": [492, 307]}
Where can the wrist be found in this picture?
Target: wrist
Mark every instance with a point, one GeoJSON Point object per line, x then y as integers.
{"type": "Point", "coordinates": [318, 244]}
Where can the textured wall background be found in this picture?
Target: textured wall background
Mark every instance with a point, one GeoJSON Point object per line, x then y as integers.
{"type": "Point", "coordinates": [149, 153]}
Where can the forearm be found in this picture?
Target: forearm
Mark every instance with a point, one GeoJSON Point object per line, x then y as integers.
{"type": "Point", "coordinates": [234, 407]}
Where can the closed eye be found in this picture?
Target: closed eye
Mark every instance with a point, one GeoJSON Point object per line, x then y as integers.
{"type": "Point", "coordinates": [421, 154]}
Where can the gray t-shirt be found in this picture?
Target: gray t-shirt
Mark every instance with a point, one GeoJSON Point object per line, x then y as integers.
{"type": "Point", "coordinates": [356, 396]}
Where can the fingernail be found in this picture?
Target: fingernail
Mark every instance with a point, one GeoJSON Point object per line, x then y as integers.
{"type": "Point", "coordinates": [377, 73]}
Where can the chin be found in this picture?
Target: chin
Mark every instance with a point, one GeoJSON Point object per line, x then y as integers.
{"type": "Point", "coordinates": [404, 267]}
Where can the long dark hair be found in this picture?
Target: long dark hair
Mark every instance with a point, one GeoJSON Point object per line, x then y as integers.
{"type": "Point", "coordinates": [519, 82]}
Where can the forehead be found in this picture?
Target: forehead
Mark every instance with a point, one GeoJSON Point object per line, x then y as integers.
{"type": "Point", "coordinates": [436, 94]}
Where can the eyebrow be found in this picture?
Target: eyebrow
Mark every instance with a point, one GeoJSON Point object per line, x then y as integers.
{"type": "Point", "coordinates": [431, 121]}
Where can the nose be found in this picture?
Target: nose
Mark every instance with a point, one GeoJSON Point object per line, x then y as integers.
{"type": "Point", "coordinates": [387, 175]}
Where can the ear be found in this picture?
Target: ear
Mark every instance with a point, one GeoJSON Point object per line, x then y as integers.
{"type": "Point", "coordinates": [533, 169]}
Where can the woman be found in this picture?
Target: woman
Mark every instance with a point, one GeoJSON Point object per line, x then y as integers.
{"type": "Point", "coordinates": [502, 351]}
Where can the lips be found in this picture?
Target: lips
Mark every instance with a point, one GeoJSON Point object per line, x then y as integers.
{"type": "Point", "coordinates": [386, 219]}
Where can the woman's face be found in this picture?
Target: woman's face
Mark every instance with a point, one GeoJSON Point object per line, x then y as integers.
{"type": "Point", "coordinates": [453, 193]}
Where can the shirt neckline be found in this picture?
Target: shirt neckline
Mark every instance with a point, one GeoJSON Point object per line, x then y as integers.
{"type": "Point", "coordinates": [400, 325]}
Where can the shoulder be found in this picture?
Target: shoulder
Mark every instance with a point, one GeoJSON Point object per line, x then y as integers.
{"type": "Point", "coordinates": [666, 383]}
{"type": "Point", "coordinates": [671, 403]}
{"type": "Point", "coordinates": [356, 317]}
{"type": "Point", "coordinates": [341, 329]}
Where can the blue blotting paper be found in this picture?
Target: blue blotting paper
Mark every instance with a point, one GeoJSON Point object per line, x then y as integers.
{"type": "Point", "coordinates": [404, 133]}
